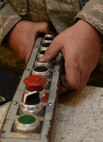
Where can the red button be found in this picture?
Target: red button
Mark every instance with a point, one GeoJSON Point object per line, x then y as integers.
{"type": "Point", "coordinates": [45, 99]}
{"type": "Point", "coordinates": [35, 82]}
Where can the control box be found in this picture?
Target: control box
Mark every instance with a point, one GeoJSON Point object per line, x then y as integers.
{"type": "Point", "coordinates": [31, 116]}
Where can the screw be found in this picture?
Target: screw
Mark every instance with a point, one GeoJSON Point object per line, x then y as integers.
{"type": "Point", "coordinates": [56, 70]}
{"type": "Point", "coordinates": [27, 69]}
{"type": "Point", "coordinates": [50, 104]}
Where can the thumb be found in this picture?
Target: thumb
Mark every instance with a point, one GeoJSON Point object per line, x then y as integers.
{"type": "Point", "coordinates": [52, 51]}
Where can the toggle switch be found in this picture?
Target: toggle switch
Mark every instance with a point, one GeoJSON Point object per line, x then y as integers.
{"type": "Point", "coordinates": [31, 103]}
{"type": "Point", "coordinates": [31, 98]}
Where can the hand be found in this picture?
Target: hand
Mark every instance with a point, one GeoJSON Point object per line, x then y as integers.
{"type": "Point", "coordinates": [22, 37]}
{"type": "Point", "coordinates": [80, 45]}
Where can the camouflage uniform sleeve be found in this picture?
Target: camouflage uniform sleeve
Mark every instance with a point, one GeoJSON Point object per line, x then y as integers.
{"type": "Point", "coordinates": [8, 18]}
{"type": "Point", "coordinates": [92, 12]}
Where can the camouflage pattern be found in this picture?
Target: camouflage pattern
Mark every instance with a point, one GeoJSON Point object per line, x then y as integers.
{"type": "Point", "coordinates": [61, 13]}
{"type": "Point", "coordinates": [92, 12]}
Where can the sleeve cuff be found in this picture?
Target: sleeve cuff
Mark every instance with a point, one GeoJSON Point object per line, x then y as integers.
{"type": "Point", "coordinates": [92, 13]}
{"type": "Point", "coordinates": [8, 18]}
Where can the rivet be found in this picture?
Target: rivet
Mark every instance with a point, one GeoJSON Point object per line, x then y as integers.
{"type": "Point", "coordinates": [50, 104]}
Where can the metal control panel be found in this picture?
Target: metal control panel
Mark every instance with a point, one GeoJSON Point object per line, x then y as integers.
{"type": "Point", "coordinates": [32, 110]}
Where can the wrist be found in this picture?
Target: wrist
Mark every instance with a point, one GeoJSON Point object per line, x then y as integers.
{"type": "Point", "coordinates": [88, 29]}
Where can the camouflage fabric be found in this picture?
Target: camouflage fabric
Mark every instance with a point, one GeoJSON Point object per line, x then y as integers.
{"type": "Point", "coordinates": [61, 13]}
{"type": "Point", "coordinates": [8, 18]}
{"type": "Point", "coordinates": [92, 12]}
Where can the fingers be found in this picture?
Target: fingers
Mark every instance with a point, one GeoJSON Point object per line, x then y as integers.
{"type": "Point", "coordinates": [85, 74]}
{"type": "Point", "coordinates": [76, 76]}
{"type": "Point", "coordinates": [73, 74]}
{"type": "Point", "coordinates": [36, 28]}
{"type": "Point", "coordinates": [52, 51]}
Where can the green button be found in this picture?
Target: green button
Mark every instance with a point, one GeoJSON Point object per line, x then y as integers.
{"type": "Point", "coordinates": [27, 119]}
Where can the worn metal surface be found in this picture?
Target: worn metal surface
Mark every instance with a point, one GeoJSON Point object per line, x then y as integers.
{"type": "Point", "coordinates": [8, 131]}
{"type": "Point", "coordinates": [79, 117]}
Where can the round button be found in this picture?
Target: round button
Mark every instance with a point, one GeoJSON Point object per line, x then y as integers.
{"type": "Point", "coordinates": [41, 70]}
{"type": "Point", "coordinates": [45, 44]}
{"type": "Point", "coordinates": [35, 82]}
{"type": "Point", "coordinates": [38, 63]}
{"type": "Point", "coordinates": [49, 36]}
{"type": "Point", "coordinates": [26, 119]}
{"type": "Point", "coordinates": [26, 122]}
{"type": "Point", "coordinates": [41, 53]}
